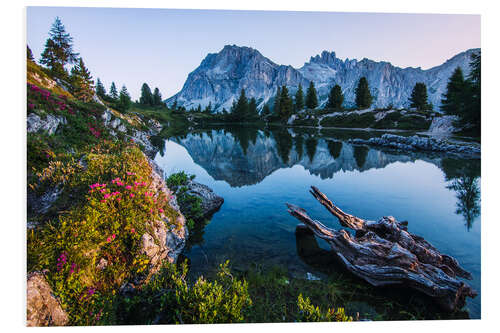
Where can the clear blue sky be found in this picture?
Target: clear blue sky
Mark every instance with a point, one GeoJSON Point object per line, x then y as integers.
{"type": "Point", "coordinates": [162, 46]}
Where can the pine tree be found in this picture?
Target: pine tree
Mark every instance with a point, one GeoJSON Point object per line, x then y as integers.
{"type": "Point", "coordinates": [277, 98]}
{"type": "Point", "coordinates": [208, 109]}
{"type": "Point", "coordinates": [99, 89]}
{"type": "Point", "coordinates": [266, 111]}
{"type": "Point", "coordinates": [363, 95]}
{"type": "Point", "coordinates": [286, 105]}
{"type": "Point", "coordinates": [472, 115]}
{"type": "Point", "coordinates": [454, 98]}
{"type": "Point", "coordinates": [240, 108]}
{"type": "Point", "coordinates": [29, 54]}
{"type": "Point", "coordinates": [335, 98]}
{"type": "Point", "coordinates": [311, 97]}
{"type": "Point", "coordinates": [81, 82]}
{"type": "Point", "coordinates": [146, 95]}
{"type": "Point", "coordinates": [125, 99]}
{"type": "Point", "coordinates": [418, 97]}
{"type": "Point", "coordinates": [299, 99]}
{"type": "Point", "coordinates": [58, 50]}
{"type": "Point", "coordinates": [113, 93]}
{"type": "Point", "coordinates": [157, 97]}
{"type": "Point", "coordinates": [253, 113]}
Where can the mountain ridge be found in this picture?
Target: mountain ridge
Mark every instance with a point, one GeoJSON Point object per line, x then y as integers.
{"type": "Point", "coordinates": [220, 77]}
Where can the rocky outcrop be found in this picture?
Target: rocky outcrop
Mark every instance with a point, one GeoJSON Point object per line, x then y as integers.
{"type": "Point", "coordinates": [40, 204]}
{"type": "Point", "coordinates": [221, 76]}
{"type": "Point", "coordinates": [42, 308]}
{"type": "Point", "coordinates": [210, 202]}
{"type": "Point", "coordinates": [414, 143]}
{"type": "Point", "coordinates": [442, 125]}
{"type": "Point", "coordinates": [169, 237]}
{"type": "Point", "coordinates": [50, 124]}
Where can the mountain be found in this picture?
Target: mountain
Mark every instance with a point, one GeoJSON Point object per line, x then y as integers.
{"type": "Point", "coordinates": [221, 76]}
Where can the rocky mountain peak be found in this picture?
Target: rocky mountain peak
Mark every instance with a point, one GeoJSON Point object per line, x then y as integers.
{"type": "Point", "coordinates": [221, 76]}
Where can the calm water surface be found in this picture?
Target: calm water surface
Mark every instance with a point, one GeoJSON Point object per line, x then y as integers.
{"type": "Point", "coordinates": [258, 171]}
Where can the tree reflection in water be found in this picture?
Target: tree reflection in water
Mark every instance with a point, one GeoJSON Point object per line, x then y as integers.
{"type": "Point", "coordinates": [464, 178]}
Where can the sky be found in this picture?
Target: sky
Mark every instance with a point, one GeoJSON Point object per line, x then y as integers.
{"type": "Point", "coordinates": [162, 46]}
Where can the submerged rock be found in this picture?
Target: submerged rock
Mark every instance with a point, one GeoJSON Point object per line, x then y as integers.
{"type": "Point", "coordinates": [42, 308]}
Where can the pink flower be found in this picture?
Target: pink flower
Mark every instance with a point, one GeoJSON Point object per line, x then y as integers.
{"type": "Point", "coordinates": [131, 195]}
{"type": "Point", "coordinates": [128, 187]}
{"type": "Point", "coordinates": [161, 210]}
{"type": "Point", "coordinates": [107, 195]}
{"type": "Point", "coordinates": [108, 239]}
{"type": "Point", "coordinates": [113, 236]}
{"type": "Point", "coordinates": [132, 230]}
{"type": "Point", "coordinates": [118, 199]}
{"type": "Point", "coordinates": [103, 201]}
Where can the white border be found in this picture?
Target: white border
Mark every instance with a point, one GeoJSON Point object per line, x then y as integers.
{"type": "Point", "coordinates": [13, 162]}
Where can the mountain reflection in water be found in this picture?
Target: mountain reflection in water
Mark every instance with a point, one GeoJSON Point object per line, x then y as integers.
{"type": "Point", "coordinates": [257, 170]}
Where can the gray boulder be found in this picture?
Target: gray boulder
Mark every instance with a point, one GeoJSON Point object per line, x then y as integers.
{"type": "Point", "coordinates": [50, 124]}
{"type": "Point", "coordinates": [210, 202]}
{"type": "Point", "coordinates": [42, 308]}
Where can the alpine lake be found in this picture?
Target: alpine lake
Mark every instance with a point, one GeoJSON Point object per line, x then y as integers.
{"type": "Point", "coordinates": [258, 170]}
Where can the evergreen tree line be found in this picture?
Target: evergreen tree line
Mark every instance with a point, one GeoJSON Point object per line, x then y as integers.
{"type": "Point", "coordinates": [150, 99]}
{"type": "Point", "coordinates": [463, 97]}
{"type": "Point", "coordinates": [58, 54]}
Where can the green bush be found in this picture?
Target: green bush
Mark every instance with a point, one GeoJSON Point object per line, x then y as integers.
{"type": "Point", "coordinates": [311, 313]}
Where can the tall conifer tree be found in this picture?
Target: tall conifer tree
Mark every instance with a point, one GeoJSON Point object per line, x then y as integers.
{"type": "Point", "coordinates": [453, 102]}
{"type": "Point", "coordinates": [157, 97]}
{"type": "Point", "coordinates": [363, 95]}
{"type": "Point", "coordinates": [58, 50]}
{"type": "Point", "coordinates": [311, 97]}
{"type": "Point", "coordinates": [146, 95]}
{"type": "Point", "coordinates": [81, 81]}
{"type": "Point", "coordinates": [299, 98]}
{"type": "Point", "coordinates": [335, 98]}
{"type": "Point", "coordinates": [418, 97]}
{"type": "Point", "coordinates": [113, 93]}
{"type": "Point", "coordinates": [99, 89]}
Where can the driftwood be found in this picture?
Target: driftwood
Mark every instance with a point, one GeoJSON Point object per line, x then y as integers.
{"type": "Point", "coordinates": [384, 253]}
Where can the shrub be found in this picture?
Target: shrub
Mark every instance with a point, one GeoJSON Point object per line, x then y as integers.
{"type": "Point", "coordinates": [105, 227]}
{"type": "Point", "coordinates": [311, 313]}
{"type": "Point", "coordinates": [169, 298]}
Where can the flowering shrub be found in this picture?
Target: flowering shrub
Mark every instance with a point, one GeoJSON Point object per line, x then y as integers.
{"type": "Point", "coordinates": [96, 246]}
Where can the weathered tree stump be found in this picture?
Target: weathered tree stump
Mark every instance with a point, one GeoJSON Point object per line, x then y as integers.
{"type": "Point", "coordinates": [384, 253]}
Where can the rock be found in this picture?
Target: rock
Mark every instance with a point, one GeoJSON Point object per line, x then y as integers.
{"type": "Point", "coordinates": [115, 123]}
{"type": "Point", "coordinates": [442, 125]}
{"type": "Point", "coordinates": [221, 76]}
{"type": "Point", "coordinates": [415, 143]}
{"type": "Point", "coordinates": [50, 124]}
{"type": "Point", "coordinates": [41, 204]}
{"type": "Point", "coordinates": [143, 139]}
{"type": "Point", "coordinates": [154, 126]}
{"type": "Point", "coordinates": [210, 202]}
{"type": "Point", "coordinates": [312, 277]}
{"type": "Point", "coordinates": [42, 308]}
{"type": "Point", "coordinates": [171, 235]}
{"type": "Point", "coordinates": [106, 116]}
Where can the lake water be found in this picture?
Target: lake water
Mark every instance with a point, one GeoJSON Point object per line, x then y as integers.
{"type": "Point", "coordinates": [257, 171]}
